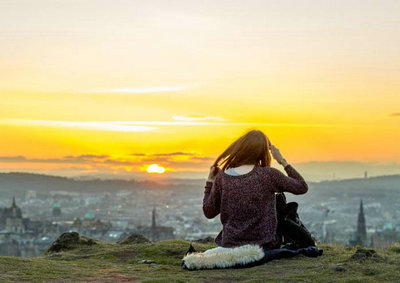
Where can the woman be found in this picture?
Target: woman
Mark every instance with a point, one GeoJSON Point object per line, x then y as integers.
{"type": "Point", "coordinates": [243, 191]}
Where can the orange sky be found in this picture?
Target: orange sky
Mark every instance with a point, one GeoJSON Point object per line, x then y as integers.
{"type": "Point", "coordinates": [113, 86]}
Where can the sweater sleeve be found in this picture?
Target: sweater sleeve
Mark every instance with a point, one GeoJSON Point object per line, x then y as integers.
{"type": "Point", "coordinates": [293, 183]}
{"type": "Point", "coordinates": [212, 199]}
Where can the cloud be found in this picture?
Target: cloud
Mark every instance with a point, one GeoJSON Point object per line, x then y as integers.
{"type": "Point", "coordinates": [87, 156]}
{"type": "Point", "coordinates": [137, 90]}
{"type": "Point", "coordinates": [173, 154]}
{"type": "Point", "coordinates": [12, 158]}
{"type": "Point", "coordinates": [247, 124]}
{"type": "Point", "coordinates": [167, 158]}
{"type": "Point", "coordinates": [119, 162]}
{"type": "Point", "coordinates": [198, 118]}
{"type": "Point", "coordinates": [121, 126]}
{"type": "Point", "coordinates": [148, 126]}
{"type": "Point", "coordinates": [203, 158]}
{"type": "Point", "coordinates": [397, 114]}
{"type": "Point", "coordinates": [90, 125]}
{"type": "Point", "coordinates": [66, 159]}
{"type": "Point", "coordinates": [170, 123]}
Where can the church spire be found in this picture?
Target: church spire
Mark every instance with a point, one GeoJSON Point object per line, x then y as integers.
{"type": "Point", "coordinates": [153, 218]}
{"type": "Point", "coordinates": [361, 235]}
{"type": "Point", "coordinates": [13, 203]}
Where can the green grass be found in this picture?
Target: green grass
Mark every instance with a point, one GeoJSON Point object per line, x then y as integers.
{"type": "Point", "coordinates": [108, 262]}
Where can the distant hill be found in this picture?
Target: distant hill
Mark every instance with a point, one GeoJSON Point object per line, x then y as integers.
{"type": "Point", "coordinates": [327, 170]}
{"type": "Point", "coordinates": [18, 183]}
{"type": "Point", "coordinates": [379, 186]}
{"type": "Point", "coordinates": [373, 181]}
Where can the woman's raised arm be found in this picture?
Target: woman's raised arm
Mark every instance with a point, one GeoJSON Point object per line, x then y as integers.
{"type": "Point", "coordinates": [293, 183]}
{"type": "Point", "coordinates": [212, 199]}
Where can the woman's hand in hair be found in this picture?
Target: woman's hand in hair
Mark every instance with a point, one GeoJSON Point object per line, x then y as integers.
{"type": "Point", "coordinates": [213, 172]}
{"type": "Point", "coordinates": [276, 154]}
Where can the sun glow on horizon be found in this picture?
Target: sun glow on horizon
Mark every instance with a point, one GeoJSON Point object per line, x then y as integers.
{"type": "Point", "coordinates": [127, 88]}
{"type": "Point", "coordinates": [155, 168]}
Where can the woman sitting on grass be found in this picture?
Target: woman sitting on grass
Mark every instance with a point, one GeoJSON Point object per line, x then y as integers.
{"type": "Point", "coordinates": [243, 191]}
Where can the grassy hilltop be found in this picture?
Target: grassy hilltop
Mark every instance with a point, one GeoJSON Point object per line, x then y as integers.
{"type": "Point", "coordinates": [96, 261]}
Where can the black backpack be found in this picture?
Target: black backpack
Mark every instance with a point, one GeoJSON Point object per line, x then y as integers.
{"type": "Point", "coordinates": [293, 234]}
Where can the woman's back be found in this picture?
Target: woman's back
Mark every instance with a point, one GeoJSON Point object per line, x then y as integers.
{"type": "Point", "coordinates": [246, 203]}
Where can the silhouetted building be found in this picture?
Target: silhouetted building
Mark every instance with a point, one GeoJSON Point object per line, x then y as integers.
{"type": "Point", "coordinates": [153, 218]}
{"type": "Point", "coordinates": [13, 211]}
{"type": "Point", "coordinates": [360, 237]}
{"type": "Point", "coordinates": [91, 226]}
{"type": "Point", "coordinates": [156, 233]}
{"type": "Point", "coordinates": [11, 219]}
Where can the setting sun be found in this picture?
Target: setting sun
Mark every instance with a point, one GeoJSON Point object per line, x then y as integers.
{"type": "Point", "coordinates": [155, 168]}
{"type": "Point", "coordinates": [85, 95]}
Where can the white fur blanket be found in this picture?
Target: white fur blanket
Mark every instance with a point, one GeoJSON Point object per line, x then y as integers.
{"type": "Point", "coordinates": [243, 256]}
{"type": "Point", "coordinates": [221, 257]}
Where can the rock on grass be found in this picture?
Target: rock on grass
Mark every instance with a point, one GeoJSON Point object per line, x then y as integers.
{"type": "Point", "coordinates": [134, 239]}
{"type": "Point", "coordinates": [69, 241]}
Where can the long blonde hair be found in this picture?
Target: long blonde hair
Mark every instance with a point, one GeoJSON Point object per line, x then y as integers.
{"type": "Point", "coordinates": [251, 148]}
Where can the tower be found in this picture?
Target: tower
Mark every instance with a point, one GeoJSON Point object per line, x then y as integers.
{"type": "Point", "coordinates": [153, 218]}
{"type": "Point", "coordinates": [13, 218]}
{"type": "Point", "coordinates": [361, 234]}
{"type": "Point", "coordinates": [156, 233]}
{"type": "Point", "coordinates": [14, 211]}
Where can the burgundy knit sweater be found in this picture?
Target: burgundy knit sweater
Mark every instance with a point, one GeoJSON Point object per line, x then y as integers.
{"type": "Point", "coordinates": [246, 204]}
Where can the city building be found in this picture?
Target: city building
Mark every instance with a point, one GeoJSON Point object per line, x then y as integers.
{"type": "Point", "coordinates": [360, 236]}
{"type": "Point", "coordinates": [11, 219]}
{"type": "Point", "coordinates": [156, 233]}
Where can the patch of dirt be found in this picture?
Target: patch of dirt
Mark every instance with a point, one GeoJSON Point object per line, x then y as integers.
{"type": "Point", "coordinates": [109, 275]}
{"type": "Point", "coordinates": [124, 255]}
{"type": "Point", "coordinates": [362, 255]}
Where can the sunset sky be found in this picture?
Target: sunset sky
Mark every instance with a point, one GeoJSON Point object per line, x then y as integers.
{"type": "Point", "coordinates": [110, 87]}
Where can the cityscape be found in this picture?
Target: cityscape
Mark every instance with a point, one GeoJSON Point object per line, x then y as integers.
{"type": "Point", "coordinates": [360, 211]}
